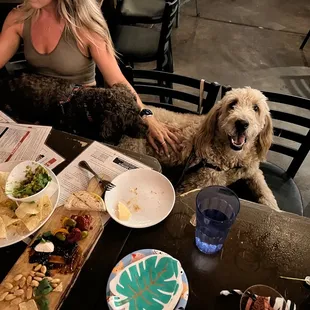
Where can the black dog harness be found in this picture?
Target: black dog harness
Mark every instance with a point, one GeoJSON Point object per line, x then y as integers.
{"type": "Point", "coordinates": [203, 163]}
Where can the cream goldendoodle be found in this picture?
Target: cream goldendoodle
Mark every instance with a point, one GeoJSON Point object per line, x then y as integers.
{"type": "Point", "coordinates": [227, 144]}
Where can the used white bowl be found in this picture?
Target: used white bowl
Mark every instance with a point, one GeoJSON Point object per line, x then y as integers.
{"type": "Point", "coordinates": [17, 175]}
{"type": "Point", "coordinates": [149, 195]}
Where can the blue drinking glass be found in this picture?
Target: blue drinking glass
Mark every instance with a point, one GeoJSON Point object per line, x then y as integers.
{"type": "Point", "coordinates": [216, 210]}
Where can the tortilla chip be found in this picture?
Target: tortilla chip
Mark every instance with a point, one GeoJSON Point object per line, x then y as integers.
{"type": "Point", "coordinates": [8, 220]}
{"type": "Point", "coordinates": [31, 221]}
{"type": "Point", "coordinates": [45, 205]}
{"type": "Point", "coordinates": [27, 208]}
{"type": "Point", "coordinates": [19, 228]}
{"type": "Point", "coordinates": [6, 211]}
{"type": "Point", "coordinates": [3, 196]}
{"type": "Point", "coordinates": [2, 229]}
{"type": "Point", "coordinates": [28, 305]}
{"type": "Point", "coordinates": [3, 178]}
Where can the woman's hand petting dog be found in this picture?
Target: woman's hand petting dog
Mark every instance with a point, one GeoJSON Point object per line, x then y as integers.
{"type": "Point", "coordinates": [159, 132]}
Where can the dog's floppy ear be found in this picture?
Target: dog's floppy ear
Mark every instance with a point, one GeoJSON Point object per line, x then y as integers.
{"type": "Point", "coordinates": [207, 132]}
{"type": "Point", "coordinates": [264, 140]}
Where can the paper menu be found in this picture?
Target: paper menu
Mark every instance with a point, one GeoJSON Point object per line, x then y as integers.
{"type": "Point", "coordinates": [26, 142]}
{"type": "Point", "coordinates": [21, 142]}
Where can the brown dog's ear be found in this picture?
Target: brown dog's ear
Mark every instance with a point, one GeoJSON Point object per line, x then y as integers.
{"type": "Point", "coordinates": [264, 140]}
{"type": "Point", "coordinates": [207, 131]}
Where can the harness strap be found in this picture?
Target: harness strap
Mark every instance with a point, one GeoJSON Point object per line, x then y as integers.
{"type": "Point", "coordinates": [203, 163]}
{"type": "Point", "coordinates": [68, 99]}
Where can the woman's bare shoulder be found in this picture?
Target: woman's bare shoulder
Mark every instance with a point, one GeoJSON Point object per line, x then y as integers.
{"type": "Point", "coordinates": [13, 20]}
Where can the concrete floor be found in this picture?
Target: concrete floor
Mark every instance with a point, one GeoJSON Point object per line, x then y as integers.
{"type": "Point", "coordinates": [249, 43]}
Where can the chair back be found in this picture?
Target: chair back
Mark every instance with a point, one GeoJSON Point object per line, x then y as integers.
{"type": "Point", "coordinates": [169, 16]}
{"type": "Point", "coordinates": [198, 98]}
{"type": "Point", "coordinates": [17, 63]}
{"type": "Point", "coordinates": [294, 143]}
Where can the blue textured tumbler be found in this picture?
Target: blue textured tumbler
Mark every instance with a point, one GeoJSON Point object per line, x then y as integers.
{"type": "Point", "coordinates": [216, 211]}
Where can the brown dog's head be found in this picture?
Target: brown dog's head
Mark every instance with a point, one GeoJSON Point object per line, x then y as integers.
{"type": "Point", "coordinates": [241, 120]}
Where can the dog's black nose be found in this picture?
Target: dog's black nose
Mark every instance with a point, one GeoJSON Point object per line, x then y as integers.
{"type": "Point", "coordinates": [241, 125]}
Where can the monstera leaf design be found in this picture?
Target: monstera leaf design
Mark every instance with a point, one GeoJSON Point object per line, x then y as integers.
{"type": "Point", "coordinates": [153, 282]}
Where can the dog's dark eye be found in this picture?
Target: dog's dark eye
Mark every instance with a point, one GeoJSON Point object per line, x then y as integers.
{"type": "Point", "coordinates": [256, 108]}
{"type": "Point", "coordinates": [232, 104]}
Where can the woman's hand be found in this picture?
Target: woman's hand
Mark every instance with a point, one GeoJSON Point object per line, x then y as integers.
{"type": "Point", "coordinates": [159, 132]}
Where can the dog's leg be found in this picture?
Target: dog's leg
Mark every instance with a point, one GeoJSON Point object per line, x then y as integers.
{"type": "Point", "coordinates": [202, 178]}
{"type": "Point", "coordinates": [260, 188]}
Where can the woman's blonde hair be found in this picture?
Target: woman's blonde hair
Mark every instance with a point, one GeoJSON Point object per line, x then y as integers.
{"type": "Point", "coordinates": [78, 15]}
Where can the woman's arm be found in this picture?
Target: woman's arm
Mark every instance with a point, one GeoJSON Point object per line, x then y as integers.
{"type": "Point", "coordinates": [9, 38]}
{"type": "Point", "coordinates": [112, 74]}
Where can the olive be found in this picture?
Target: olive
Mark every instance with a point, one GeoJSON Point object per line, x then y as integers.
{"type": "Point", "coordinates": [84, 234]}
{"type": "Point", "coordinates": [60, 236]}
{"type": "Point", "coordinates": [47, 234]}
{"type": "Point", "coordinates": [69, 222]}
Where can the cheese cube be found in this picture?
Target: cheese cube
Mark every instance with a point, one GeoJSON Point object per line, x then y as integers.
{"type": "Point", "coordinates": [123, 212]}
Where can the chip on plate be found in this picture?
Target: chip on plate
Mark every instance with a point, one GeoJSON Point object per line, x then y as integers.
{"type": "Point", "coordinates": [2, 229]}
{"type": "Point", "coordinates": [27, 208]}
{"type": "Point", "coordinates": [31, 221]}
{"type": "Point", "coordinates": [45, 206]}
{"type": "Point", "coordinates": [3, 178]}
{"type": "Point", "coordinates": [8, 220]}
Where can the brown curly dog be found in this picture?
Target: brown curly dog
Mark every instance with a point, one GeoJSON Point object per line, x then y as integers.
{"type": "Point", "coordinates": [102, 114]}
{"type": "Point", "coordinates": [228, 143]}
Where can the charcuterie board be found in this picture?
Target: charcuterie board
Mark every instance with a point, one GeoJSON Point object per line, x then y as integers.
{"type": "Point", "coordinates": [23, 268]}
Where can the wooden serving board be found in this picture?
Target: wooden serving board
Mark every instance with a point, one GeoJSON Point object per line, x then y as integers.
{"type": "Point", "coordinates": [87, 245]}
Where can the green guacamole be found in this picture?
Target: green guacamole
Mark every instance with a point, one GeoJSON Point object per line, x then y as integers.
{"type": "Point", "coordinates": [34, 182]}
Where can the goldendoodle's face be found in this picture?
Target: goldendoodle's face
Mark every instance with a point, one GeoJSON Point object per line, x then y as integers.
{"type": "Point", "coordinates": [242, 116]}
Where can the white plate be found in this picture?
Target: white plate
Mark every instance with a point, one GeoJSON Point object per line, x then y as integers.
{"type": "Point", "coordinates": [14, 237]}
{"type": "Point", "coordinates": [149, 190]}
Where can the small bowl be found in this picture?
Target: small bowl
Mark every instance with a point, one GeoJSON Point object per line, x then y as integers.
{"type": "Point", "coordinates": [17, 175]}
{"type": "Point", "coordinates": [260, 290]}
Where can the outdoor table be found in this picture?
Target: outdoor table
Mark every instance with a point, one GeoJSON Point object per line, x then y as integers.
{"type": "Point", "coordinates": [262, 245]}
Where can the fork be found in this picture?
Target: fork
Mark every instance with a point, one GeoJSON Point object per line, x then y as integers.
{"type": "Point", "coordinates": [106, 185]}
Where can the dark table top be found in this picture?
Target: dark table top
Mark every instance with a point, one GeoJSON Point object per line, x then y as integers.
{"type": "Point", "coordinates": [261, 246]}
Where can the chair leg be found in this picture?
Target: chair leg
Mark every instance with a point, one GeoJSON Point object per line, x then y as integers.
{"type": "Point", "coordinates": [197, 9]}
{"type": "Point", "coordinates": [305, 41]}
{"type": "Point", "coordinates": [177, 20]}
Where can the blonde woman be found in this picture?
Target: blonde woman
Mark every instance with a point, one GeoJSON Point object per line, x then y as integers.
{"type": "Point", "coordinates": [65, 39]}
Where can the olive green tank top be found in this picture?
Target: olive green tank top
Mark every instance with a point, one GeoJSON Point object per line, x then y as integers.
{"type": "Point", "coordinates": [66, 61]}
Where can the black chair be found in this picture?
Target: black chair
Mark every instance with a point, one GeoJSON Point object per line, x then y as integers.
{"type": "Point", "coordinates": [281, 181]}
{"type": "Point", "coordinates": [153, 83]}
{"type": "Point", "coordinates": [145, 12]}
{"type": "Point", "coordinates": [17, 63]}
{"type": "Point", "coordinates": [140, 44]}
{"type": "Point", "coordinates": [305, 40]}
{"type": "Point", "coordinates": [140, 11]}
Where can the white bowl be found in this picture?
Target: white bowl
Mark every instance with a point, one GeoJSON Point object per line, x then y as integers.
{"type": "Point", "coordinates": [149, 190]}
{"type": "Point", "coordinates": [17, 175]}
